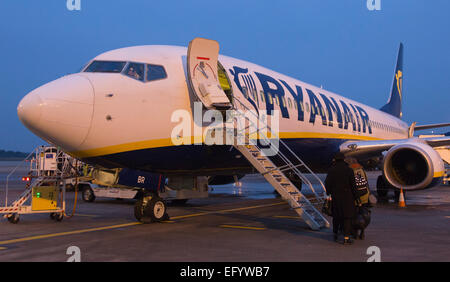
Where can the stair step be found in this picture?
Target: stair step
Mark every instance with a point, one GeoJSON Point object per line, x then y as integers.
{"type": "Point", "coordinates": [310, 211]}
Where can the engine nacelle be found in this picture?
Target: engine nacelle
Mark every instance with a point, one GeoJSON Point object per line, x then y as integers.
{"type": "Point", "coordinates": [413, 166]}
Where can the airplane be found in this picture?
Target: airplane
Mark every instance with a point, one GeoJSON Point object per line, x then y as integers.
{"type": "Point", "coordinates": [117, 113]}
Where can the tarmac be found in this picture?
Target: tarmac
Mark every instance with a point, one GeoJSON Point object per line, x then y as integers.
{"type": "Point", "coordinates": [235, 224]}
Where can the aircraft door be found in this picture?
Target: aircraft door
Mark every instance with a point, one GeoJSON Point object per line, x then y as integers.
{"type": "Point", "coordinates": [203, 75]}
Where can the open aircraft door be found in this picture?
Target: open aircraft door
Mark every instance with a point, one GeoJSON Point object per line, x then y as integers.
{"type": "Point", "coordinates": [203, 76]}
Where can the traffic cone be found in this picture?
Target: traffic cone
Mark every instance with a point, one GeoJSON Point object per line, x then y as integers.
{"type": "Point", "coordinates": [401, 200]}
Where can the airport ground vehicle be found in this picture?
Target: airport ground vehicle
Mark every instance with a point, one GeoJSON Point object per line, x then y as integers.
{"type": "Point", "coordinates": [149, 189]}
{"type": "Point", "coordinates": [51, 171]}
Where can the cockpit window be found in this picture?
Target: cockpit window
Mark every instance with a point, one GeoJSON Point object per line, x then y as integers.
{"type": "Point", "coordinates": [135, 70]}
{"type": "Point", "coordinates": [106, 66]}
{"type": "Point", "coordinates": [139, 71]}
{"type": "Point", "coordinates": [155, 72]}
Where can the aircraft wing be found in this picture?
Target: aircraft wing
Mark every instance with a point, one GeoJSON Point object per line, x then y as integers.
{"type": "Point", "coordinates": [437, 141]}
{"type": "Point", "coordinates": [430, 126]}
{"type": "Point", "coordinates": [373, 148]}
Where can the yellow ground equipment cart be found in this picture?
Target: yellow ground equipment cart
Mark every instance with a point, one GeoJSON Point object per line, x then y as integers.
{"type": "Point", "coordinates": [45, 190]}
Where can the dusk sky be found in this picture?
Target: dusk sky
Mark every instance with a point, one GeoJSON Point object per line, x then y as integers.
{"type": "Point", "coordinates": [340, 45]}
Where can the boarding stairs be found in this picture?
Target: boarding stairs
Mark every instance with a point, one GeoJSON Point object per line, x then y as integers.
{"type": "Point", "coordinates": [288, 164]}
{"type": "Point", "coordinates": [202, 70]}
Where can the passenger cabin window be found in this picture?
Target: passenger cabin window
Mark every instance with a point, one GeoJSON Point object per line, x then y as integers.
{"type": "Point", "coordinates": [283, 102]}
{"type": "Point", "coordinates": [245, 92]}
{"type": "Point", "coordinates": [136, 71]}
{"type": "Point", "coordinates": [254, 95]}
{"type": "Point", "coordinates": [155, 72]}
{"type": "Point", "coordinates": [106, 66]}
{"type": "Point", "coordinates": [289, 103]}
{"type": "Point", "coordinates": [261, 93]}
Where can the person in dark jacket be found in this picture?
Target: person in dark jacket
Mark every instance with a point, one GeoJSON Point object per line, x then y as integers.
{"type": "Point", "coordinates": [340, 184]}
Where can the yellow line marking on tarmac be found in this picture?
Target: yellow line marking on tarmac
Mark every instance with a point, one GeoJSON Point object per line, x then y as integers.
{"type": "Point", "coordinates": [67, 233]}
{"type": "Point", "coordinates": [228, 210]}
{"type": "Point", "coordinates": [87, 215]}
{"type": "Point", "coordinates": [242, 227]}
{"type": "Point", "coordinates": [3, 248]}
{"type": "Point", "coordinates": [52, 235]}
{"type": "Point", "coordinates": [286, 216]}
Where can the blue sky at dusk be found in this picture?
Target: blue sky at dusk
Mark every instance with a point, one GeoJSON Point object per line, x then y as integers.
{"type": "Point", "coordinates": [340, 45]}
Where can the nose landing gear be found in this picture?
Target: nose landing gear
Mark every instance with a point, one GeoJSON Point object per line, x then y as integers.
{"type": "Point", "coordinates": [150, 208]}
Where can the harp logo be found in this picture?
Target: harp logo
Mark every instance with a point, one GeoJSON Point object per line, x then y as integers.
{"type": "Point", "coordinates": [73, 5]}
{"type": "Point", "coordinates": [399, 79]}
{"type": "Point", "coordinates": [373, 5]}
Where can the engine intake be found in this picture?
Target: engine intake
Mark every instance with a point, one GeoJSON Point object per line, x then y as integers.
{"type": "Point", "coordinates": [413, 166]}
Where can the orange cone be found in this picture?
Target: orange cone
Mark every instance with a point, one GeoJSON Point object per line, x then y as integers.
{"type": "Point", "coordinates": [401, 200]}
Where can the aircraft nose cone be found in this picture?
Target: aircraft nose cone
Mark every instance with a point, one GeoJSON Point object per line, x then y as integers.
{"type": "Point", "coordinates": [29, 110]}
{"type": "Point", "coordinates": [60, 112]}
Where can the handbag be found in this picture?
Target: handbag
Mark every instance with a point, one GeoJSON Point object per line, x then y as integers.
{"type": "Point", "coordinates": [362, 219]}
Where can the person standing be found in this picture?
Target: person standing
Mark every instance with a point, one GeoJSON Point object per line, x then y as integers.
{"type": "Point", "coordinates": [340, 185]}
{"type": "Point", "coordinates": [362, 193]}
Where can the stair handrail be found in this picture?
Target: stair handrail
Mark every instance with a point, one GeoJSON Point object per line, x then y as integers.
{"type": "Point", "coordinates": [283, 157]}
{"type": "Point", "coordinates": [14, 170]}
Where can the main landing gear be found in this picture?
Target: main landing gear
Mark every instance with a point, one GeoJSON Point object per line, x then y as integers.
{"type": "Point", "coordinates": [383, 188]}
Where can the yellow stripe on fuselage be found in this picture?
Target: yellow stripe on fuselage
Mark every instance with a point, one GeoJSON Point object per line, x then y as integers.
{"type": "Point", "coordinates": [167, 142]}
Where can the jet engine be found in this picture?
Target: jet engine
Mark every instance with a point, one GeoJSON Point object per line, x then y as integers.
{"type": "Point", "coordinates": [413, 166]}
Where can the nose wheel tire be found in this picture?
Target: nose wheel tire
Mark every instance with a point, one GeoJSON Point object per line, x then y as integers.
{"type": "Point", "coordinates": [150, 208]}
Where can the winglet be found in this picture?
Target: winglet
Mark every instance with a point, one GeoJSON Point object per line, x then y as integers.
{"type": "Point", "coordinates": [394, 105]}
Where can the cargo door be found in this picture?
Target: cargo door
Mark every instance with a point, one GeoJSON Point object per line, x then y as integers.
{"type": "Point", "coordinates": [202, 59]}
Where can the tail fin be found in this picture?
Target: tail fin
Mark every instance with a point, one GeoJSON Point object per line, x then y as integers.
{"type": "Point", "coordinates": [394, 105]}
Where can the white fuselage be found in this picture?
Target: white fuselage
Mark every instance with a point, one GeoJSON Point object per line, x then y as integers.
{"type": "Point", "coordinates": [101, 117]}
